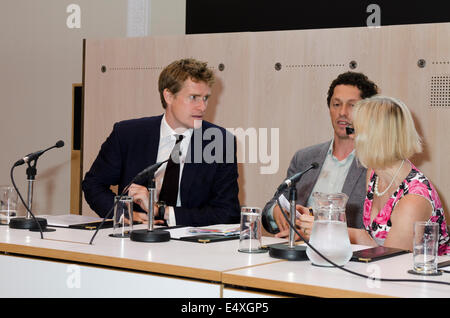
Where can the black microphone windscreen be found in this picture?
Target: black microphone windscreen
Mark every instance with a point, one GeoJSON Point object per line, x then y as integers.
{"type": "Point", "coordinates": [59, 144]}
{"type": "Point", "coordinates": [315, 165]}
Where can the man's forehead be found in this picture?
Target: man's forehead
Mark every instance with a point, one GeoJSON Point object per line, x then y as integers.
{"type": "Point", "coordinates": [346, 92]}
{"type": "Point", "coordinates": [347, 99]}
{"type": "Point", "coordinates": [196, 86]}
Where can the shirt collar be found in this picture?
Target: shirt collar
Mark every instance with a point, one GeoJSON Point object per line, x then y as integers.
{"type": "Point", "coordinates": [351, 155]}
{"type": "Point", "coordinates": [166, 132]}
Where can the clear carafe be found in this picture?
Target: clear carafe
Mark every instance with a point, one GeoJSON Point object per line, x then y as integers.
{"type": "Point", "coordinates": [329, 233]}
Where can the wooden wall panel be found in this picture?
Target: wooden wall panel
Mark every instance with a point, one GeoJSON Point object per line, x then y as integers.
{"type": "Point", "coordinates": [250, 93]}
{"type": "Point", "coordinates": [129, 86]}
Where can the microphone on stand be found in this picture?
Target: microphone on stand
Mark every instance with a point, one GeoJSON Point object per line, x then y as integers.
{"type": "Point", "coordinates": [150, 235]}
{"type": "Point", "coordinates": [37, 154]}
{"type": "Point", "coordinates": [290, 251]}
{"type": "Point", "coordinates": [295, 178]}
{"type": "Point", "coordinates": [143, 176]}
{"type": "Point", "coordinates": [140, 178]}
{"type": "Point", "coordinates": [30, 221]}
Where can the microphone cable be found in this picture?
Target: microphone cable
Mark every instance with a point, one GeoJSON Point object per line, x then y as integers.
{"type": "Point", "coordinates": [23, 201]}
{"type": "Point", "coordinates": [342, 267]}
{"type": "Point", "coordinates": [109, 212]}
{"type": "Point", "coordinates": [30, 157]}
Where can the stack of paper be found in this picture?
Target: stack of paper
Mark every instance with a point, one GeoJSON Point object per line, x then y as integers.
{"type": "Point", "coordinates": [67, 220]}
{"type": "Point", "coordinates": [218, 229]}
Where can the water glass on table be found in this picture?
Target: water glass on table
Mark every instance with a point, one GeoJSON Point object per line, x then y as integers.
{"type": "Point", "coordinates": [250, 231]}
{"type": "Point", "coordinates": [425, 252]}
{"type": "Point", "coordinates": [8, 204]}
{"type": "Point", "coordinates": [123, 217]}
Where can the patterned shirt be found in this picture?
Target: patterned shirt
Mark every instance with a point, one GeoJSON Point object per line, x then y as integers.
{"type": "Point", "coordinates": [415, 183]}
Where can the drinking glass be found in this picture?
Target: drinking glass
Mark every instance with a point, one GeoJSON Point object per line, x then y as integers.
{"type": "Point", "coordinates": [425, 253]}
{"type": "Point", "coordinates": [123, 216]}
{"type": "Point", "coordinates": [250, 231]}
{"type": "Point", "coordinates": [8, 204]}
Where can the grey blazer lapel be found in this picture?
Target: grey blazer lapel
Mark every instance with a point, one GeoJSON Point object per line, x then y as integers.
{"type": "Point", "coordinates": [310, 178]}
{"type": "Point", "coordinates": [355, 188]}
{"type": "Point", "coordinates": [352, 177]}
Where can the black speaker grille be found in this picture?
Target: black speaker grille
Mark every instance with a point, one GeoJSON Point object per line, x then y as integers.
{"type": "Point", "coordinates": [440, 91]}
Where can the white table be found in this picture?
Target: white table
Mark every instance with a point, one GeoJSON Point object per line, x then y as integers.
{"type": "Point", "coordinates": [303, 278]}
{"type": "Point", "coordinates": [111, 265]}
{"type": "Point", "coordinates": [63, 264]}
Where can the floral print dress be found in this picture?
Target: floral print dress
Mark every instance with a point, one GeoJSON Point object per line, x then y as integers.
{"type": "Point", "coordinates": [414, 183]}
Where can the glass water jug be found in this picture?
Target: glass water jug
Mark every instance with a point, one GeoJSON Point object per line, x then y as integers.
{"type": "Point", "coordinates": [329, 234]}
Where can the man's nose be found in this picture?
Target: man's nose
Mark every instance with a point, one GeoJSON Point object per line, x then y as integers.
{"type": "Point", "coordinates": [203, 104]}
{"type": "Point", "coordinates": [344, 110]}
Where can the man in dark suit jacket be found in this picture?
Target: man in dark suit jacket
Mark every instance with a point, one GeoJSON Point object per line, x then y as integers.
{"type": "Point", "coordinates": [338, 169]}
{"type": "Point", "coordinates": [208, 188]}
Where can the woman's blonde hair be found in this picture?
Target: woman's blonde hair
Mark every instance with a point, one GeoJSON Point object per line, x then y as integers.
{"type": "Point", "coordinates": [385, 132]}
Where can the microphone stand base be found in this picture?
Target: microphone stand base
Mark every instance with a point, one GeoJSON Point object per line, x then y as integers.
{"type": "Point", "coordinates": [27, 224]}
{"type": "Point", "coordinates": [150, 236]}
{"type": "Point", "coordinates": [283, 251]}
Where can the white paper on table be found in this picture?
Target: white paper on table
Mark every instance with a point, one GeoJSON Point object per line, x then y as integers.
{"type": "Point", "coordinates": [217, 229]}
{"type": "Point", "coordinates": [66, 220]}
{"type": "Point", "coordinates": [285, 204]}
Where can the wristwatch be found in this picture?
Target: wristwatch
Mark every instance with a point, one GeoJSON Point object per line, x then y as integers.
{"type": "Point", "coordinates": [161, 205]}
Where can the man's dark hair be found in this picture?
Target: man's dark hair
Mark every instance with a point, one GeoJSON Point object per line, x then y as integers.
{"type": "Point", "coordinates": [361, 81]}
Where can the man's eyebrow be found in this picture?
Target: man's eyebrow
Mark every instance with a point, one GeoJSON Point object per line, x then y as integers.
{"type": "Point", "coordinates": [339, 100]}
{"type": "Point", "coordinates": [197, 94]}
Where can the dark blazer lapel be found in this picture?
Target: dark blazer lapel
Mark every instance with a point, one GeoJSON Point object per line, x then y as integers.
{"type": "Point", "coordinates": [154, 131]}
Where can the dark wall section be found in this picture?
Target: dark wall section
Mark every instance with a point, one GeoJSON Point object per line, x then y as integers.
{"type": "Point", "coordinates": [218, 16]}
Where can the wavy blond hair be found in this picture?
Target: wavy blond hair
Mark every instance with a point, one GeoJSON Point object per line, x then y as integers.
{"type": "Point", "coordinates": [384, 132]}
{"type": "Point", "coordinates": [176, 73]}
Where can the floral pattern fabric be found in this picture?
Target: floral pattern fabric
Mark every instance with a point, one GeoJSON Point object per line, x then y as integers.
{"type": "Point", "coordinates": [414, 183]}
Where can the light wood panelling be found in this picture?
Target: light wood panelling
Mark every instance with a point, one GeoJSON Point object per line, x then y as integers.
{"type": "Point", "coordinates": [251, 93]}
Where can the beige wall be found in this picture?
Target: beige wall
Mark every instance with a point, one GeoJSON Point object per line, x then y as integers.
{"type": "Point", "coordinates": [167, 17]}
{"type": "Point", "coordinates": [40, 59]}
{"type": "Point", "coordinates": [251, 94]}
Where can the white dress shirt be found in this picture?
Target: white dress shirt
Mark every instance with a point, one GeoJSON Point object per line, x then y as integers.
{"type": "Point", "coordinates": [167, 141]}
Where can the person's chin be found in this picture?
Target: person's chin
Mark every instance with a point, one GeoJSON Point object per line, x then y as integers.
{"type": "Point", "coordinates": [197, 123]}
{"type": "Point", "coordinates": [343, 136]}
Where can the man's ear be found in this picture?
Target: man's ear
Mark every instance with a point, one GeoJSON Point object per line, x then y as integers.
{"type": "Point", "coordinates": [168, 96]}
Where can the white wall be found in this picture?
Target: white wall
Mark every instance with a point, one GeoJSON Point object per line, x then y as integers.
{"type": "Point", "coordinates": [40, 59]}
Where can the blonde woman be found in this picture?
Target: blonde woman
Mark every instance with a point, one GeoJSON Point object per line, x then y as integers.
{"type": "Point", "coordinates": [398, 194]}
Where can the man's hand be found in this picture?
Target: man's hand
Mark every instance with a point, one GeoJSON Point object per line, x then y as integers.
{"type": "Point", "coordinates": [141, 197]}
{"type": "Point", "coordinates": [304, 224]}
{"type": "Point", "coordinates": [282, 224]}
{"type": "Point", "coordinates": [140, 217]}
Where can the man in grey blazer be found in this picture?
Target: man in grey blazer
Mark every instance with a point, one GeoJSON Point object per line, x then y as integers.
{"type": "Point", "coordinates": [338, 169]}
